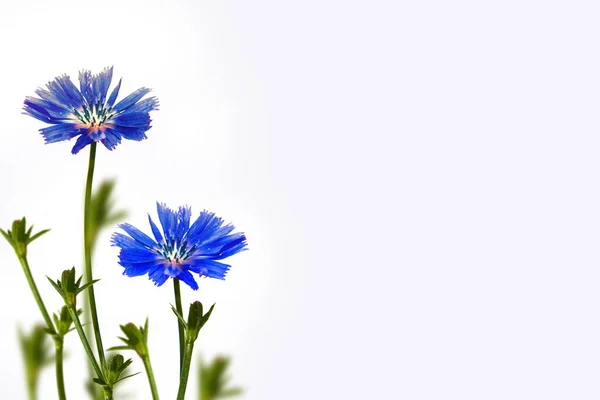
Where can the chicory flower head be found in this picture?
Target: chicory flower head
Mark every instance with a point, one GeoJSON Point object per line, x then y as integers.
{"type": "Point", "coordinates": [180, 249]}
{"type": "Point", "coordinates": [89, 113]}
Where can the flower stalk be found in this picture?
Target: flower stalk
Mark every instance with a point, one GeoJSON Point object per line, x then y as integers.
{"type": "Point", "coordinates": [58, 358]}
{"type": "Point", "coordinates": [151, 379]}
{"type": "Point", "coordinates": [87, 249]}
{"type": "Point", "coordinates": [193, 325]}
{"type": "Point", "coordinates": [185, 371]}
{"type": "Point", "coordinates": [180, 324]}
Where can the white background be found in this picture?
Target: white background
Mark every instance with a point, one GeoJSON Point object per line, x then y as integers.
{"type": "Point", "coordinates": [418, 182]}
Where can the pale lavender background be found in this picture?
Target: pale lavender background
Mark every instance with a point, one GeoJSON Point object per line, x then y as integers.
{"type": "Point", "coordinates": [418, 182]}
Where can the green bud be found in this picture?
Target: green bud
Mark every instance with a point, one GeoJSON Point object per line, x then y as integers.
{"type": "Point", "coordinates": [63, 321]}
{"type": "Point", "coordinates": [114, 369]}
{"type": "Point", "coordinates": [136, 339]}
{"type": "Point", "coordinates": [19, 236]}
{"type": "Point", "coordinates": [69, 288]}
{"type": "Point", "coordinates": [196, 320]}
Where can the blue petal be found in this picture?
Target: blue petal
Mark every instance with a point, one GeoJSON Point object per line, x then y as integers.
{"type": "Point", "coordinates": [236, 244]}
{"type": "Point", "coordinates": [136, 134]}
{"type": "Point", "coordinates": [146, 105]}
{"type": "Point", "coordinates": [52, 110]}
{"type": "Point", "coordinates": [186, 277]}
{"type": "Point", "coordinates": [133, 255]}
{"type": "Point", "coordinates": [81, 142]}
{"type": "Point", "coordinates": [168, 220]}
{"type": "Point", "coordinates": [158, 276]}
{"type": "Point", "coordinates": [184, 214]}
{"type": "Point", "coordinates": [123, 241]}
{"type": "Point", "coordinates": [138, 235]}
{"type": "Point", "coordinates": [85, 85]}
{"type": "Point", "coordinates": [197, 227]}
{"type": "Point", "coordinates": [114, 94]}
{"type": "Point", "coordinates": [209, 268]}
{"type": "Point", "coordinates": [217, 234]}
{"type": "Point", "coordinates": [204, 227]}
{"type": "Point", "coordinates": [155, 230]}
{"type": "Point", "coordinates": [66, 92]}
{"type": "Point", "coordinates": [172, 271]}
{"type": "Point", "coordinates": [60, 132]}
{"type": "Point", "coordinates": [132, 119]}
{"type": "Point", "coordinates": [48, 96]}
{"type": "Point", "coordinates": [37, 113]}
{"type": "Point", "coordinates": [112, 139]}
{"type": "Point", "coordinates": [102, 83]}
{"type": "Point", "coordinates": [139, 269]}
{"type": "Point", "coordinates": [224, 241]}
{"type": "Point", "coordinates": [131, 99]}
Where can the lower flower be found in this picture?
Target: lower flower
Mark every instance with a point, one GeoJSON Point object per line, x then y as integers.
{"type": "Point", "coordinates": [180, 249]}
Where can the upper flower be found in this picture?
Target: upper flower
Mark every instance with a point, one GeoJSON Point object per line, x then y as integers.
{"type": "Point", "coordinates": [88, 112]}
{"type": "Point", "coordinates": [180, 249]}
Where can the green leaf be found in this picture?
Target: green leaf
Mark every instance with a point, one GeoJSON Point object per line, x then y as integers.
{"type": "Point", "coordinates": [179, 316]}
{"type": "Point", "coordinates": [214, 380]}
{"type": "Point", "coordinates": [37, 235]}
{"type": "Point", "coordinates": [36, 352]}
{"type": "Point", "coordinates": [56, 285]}
{"type": "Point", "coordinates": [87, 285]}
{"type": "Point", "coordinates": [102, 213]}
{"type": "Point", "coordinates": [6, 236]}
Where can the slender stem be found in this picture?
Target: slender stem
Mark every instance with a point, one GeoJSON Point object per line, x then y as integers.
{"type": "Point", "coordinates": [36, 294]}
{"type": "Point", "coordinates": [185, 372]}
{"type": "Point", "coordinates": [31, 385]}
{"type": "Point", "coordinates": [87, 249]}
{"type": "Point", "coordinates": [60, 383]}
{"type": "Point", "coordinates": [150, 373]}
{"type": "Point", "coordinates": [108, 393]}
{"type": "Point", "coordinates": [84, 342]}
{"type": "Point", "coordinates": [180, 325]}
{"type": "Point", "coordinates": [60, 380]}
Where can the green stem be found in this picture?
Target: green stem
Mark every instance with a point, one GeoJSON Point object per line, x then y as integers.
{"type": "Point", "coordinates": [179, 309]}
{"type": "Point", "coordinates": [185, 371]}
{"type": "Point", "coordinates": [60, 383]}
{"type": "Point", "coordinates": [31, 385]}
{"type": "Point", "coordinates": [108, 393]}
{"type": "Point", "coordinates": [87, 249]}
{"type": "Point", "coordinates": [85, 343]}
{"type": "Point", "coordinates": [36, 294]}
{"type": "Point", "coordinates": [60, 380]}
{"type": "Point", "coordinates": [151, 380]}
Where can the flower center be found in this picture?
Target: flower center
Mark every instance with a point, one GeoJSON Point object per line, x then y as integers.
{"type": "Point", "coordinates": [93, 116]}
{"type": "Point", "coordinates": [175, 252]}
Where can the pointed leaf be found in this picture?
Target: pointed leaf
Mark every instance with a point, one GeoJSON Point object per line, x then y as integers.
{"type": "Point", "coordinates": [125, 377]}
{"type": "Point", "coordinates": [179, 316]}
{"type": "Point", "coordinates": [37, 235]}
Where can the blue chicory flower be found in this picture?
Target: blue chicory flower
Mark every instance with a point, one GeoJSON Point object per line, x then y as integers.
{"type": "Point", "coordinates": [88, 112]}
{"type": "Point", "coordinates": [180, 249]}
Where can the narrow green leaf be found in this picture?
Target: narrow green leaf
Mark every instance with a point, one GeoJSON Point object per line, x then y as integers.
{"type": "Point", "coordinates": [179, 316]}
{"type": "Point", "coordinates": [37, 235]}
{"type": "Point", "coordinates": [125, 377]}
